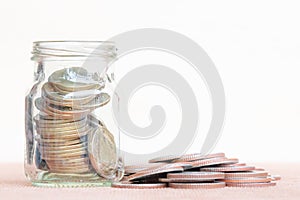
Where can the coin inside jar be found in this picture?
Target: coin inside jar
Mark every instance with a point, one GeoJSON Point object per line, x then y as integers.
{"type": "Point", "coordinates": [70, 141]}
{"type": "Point", "coordinates": [73, 78]}
{"type": "Point", "coordinates": [102, 151]}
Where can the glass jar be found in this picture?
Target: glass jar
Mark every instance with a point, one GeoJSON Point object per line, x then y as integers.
{"type": "Point", "coordinates": [71, 137]}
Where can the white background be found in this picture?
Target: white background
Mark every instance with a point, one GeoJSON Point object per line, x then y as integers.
{"type": "Point", "coordinates": [254, 44]}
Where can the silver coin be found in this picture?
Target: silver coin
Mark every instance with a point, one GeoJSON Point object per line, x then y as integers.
{"type": "Point", "coordinates": [100, 100]}
{"type": "Point", "coordinates": [57, 142]}
{"type": "Point", "coordinates": [48, 92]}
{"type": "Point", "coordinates": [65, 147]}
{"type": "Point", "coordinates": [102, 151]}
{"type": "Point", "coordinates": [73, 134]}
{"type": "Point", "coordinates": [74, 78]}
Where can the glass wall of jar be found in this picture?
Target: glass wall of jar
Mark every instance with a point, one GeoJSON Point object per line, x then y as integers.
{"type": "Point", "coordinates": [71, 137]}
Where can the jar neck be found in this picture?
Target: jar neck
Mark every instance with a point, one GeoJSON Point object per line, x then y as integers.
{"type": "Point", "coordinates": [73, 50]}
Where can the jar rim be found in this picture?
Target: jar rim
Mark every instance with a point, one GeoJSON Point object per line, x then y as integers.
{"type": "Point", "coordinates": [73, 48]}
{"type": "Point", "coordinates": [73, 41]}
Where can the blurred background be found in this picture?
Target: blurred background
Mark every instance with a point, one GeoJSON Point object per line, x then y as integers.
{"type": "Point", "coordinates": [255, 46]}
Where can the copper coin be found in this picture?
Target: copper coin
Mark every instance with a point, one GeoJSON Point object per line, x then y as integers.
{"type": "Point", "coordinates": [213, 161]}
{"type": "Point", "coordinates": [246, 174]}
{"type": "Point", "coordinates": [164, 159]}
{"type": "Point", "coordinates": [147, 173]}
{"type": "Point", "coordinates": [259, 169]}
{"type": "Point", "coordinates": [232, 165]}
{"type": "Point", "coordinates": [198, 156]}
{"type": "Point", "coordinates": [184, 180]}
{"type": "Point", "coordinates": [275, 177]}
{"type": "Point", "coordinates": [194, 175]}
{"type": "Point", "coordinates": [250, 184]}
{"type": "Point", "coordinates": [139, 186]}
{"type": "Point", "coordinates": [248, 180]}
{"type": "Point", "coordinates": [213, 185]}
{"type": "Point", "coordinates": [184, 165]}
{"type": "Point", "coordinates": [228, 169]}
{"type": "Point", "coordinates": [131, 169]}
{"type": "Point", "coordinates": [154, 166]}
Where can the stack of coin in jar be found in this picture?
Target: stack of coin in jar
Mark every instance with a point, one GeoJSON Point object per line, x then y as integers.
{"type": "Point", "coordinates": [195, 171]}
{"type": "Point", "coordinates": [68, 134]}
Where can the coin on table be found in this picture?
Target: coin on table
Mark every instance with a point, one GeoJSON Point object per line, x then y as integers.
{"type": "Point", "coordinates": [250, 184]}
{"type": "Point", "coordinates": [199, 175]}
{"type": "Point", "coordinates": [232, 165]}
{"type": "Point", "coordinates": [212, 185]}
{"type": "Point", "coordinates": [139, 186]}
{"type": "Point", "coordinates": [247, 180]}
{"type": "Point", "coordinates": [198, 156]}
{"type": "Point", "coordinates": [131, 169]}
{"type": "Point", "coordinates": [275, 177]}
{"type": "Point", "coordinates": [213, 161]}
{"type": "Point", "coordinates": [164, 158]}
{"type": "Point", "coordinates": [228, 169]}
{"type": "Point", "coordinates": [153, 172]}
{"type": "Point", "coordinates": [249, 174]}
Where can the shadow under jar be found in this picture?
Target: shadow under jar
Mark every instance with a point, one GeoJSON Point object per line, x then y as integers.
{"type": "Point", "coordinates": [71, 137]}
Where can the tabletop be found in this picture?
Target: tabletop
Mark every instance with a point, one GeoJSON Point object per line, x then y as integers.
{"type": "Point", "coordinates": [13, 185]}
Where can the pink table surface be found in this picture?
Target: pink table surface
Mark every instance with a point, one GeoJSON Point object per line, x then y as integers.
{"type": "Point", "coordinates": [13, 185]}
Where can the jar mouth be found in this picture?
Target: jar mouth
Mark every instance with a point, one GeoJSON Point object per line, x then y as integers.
{"type": "Point", "coordinates": [63, 49]}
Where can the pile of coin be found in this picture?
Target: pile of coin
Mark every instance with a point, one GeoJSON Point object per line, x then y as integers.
{"type": "Point", "coordinates": [195, 171]}
{"type": "Point", "coordinates": [70, 139]}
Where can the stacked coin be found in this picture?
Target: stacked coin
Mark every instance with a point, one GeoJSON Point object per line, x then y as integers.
{"type": "Point", "coordinates": [68, 135]}
{"type": "Point", "coordinates": [195, 171]}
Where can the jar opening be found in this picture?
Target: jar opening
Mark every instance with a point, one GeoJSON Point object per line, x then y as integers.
{"type": "Point", "coordinates": [57, 50]}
